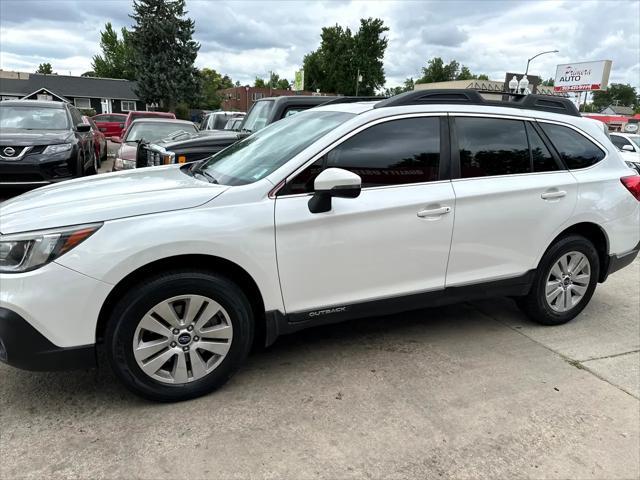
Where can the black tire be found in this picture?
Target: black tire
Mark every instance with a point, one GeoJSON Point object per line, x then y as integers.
{"type": "Point", "coordinates": [80, 168]}
{"type": "Point", "coordinates": [104, 153]}
{"type": "Point", "coordinates": [535, 304]}
{"type": "Point", "coordinates": [143, 297]}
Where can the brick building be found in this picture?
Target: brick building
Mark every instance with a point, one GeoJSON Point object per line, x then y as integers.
{"type": "Point", "coordinates": [241, 98]}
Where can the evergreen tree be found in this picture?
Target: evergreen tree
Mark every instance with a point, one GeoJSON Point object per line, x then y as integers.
{"type": "Point", "coordinates": [165, 53]}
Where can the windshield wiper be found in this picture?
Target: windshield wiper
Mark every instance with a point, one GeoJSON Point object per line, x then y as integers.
{"type": "Point", "coordinates": [203, 173]}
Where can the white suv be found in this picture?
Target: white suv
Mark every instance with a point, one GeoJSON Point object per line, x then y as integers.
{"type": "Point", "coordinates": [342, 211]}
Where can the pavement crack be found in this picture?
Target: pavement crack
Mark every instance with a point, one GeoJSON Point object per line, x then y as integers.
{"type": "Point", "coordinates": [573, 362]}
{"type": "Point", "coordinates": [609, 356]}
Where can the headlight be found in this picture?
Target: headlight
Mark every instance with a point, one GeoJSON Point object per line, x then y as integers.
{"type": "Point", "coordinates": [122, 164]}
{"type": "Point", "coordinates": [27, 251]}
{"type": "Point", "coordinates": [63, 147]}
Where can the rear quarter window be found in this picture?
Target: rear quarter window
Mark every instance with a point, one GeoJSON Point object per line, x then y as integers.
{"type": "Point", "coordinates": [575, 150]}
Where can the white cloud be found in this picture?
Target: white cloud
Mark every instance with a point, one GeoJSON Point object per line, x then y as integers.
{"type": "Point", "coordinates": [246, 39]}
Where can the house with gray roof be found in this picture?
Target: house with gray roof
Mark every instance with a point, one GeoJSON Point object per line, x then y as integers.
{"type": "Point", "coordinates": [104, 95]}
{"type": "Point", "coordinates": [617, 110]}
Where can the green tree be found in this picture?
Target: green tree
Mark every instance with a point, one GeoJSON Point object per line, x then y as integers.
{"type": "Point", "coordinates": [259, 83]}
{"type": "Point", "coordinates": [549, 82]}
{"type": "Point", "coordinates": [45, 68]}
{"type": "Point", "coordinates": [369, 47]}
{"type": "Point", "coordinates": [483, 76]}
{"type": "Point", "coordinates": [212, 83]}
{"type": "Point", "coordinates": [617, 94]}
{"type": "Point", "coordinates": [437, 71]}
{"type": "Point", "coordinates": [165, 53]}
{"type": "Point", "coordinates": [334, 66]}
{"type": "Point", "coordinates": [117, 58]}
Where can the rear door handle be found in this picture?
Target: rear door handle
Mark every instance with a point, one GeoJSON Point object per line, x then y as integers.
{"type": "Point", "coordinates": [552, 195]}
{"type": "Point", "coordinates": [434, 212]}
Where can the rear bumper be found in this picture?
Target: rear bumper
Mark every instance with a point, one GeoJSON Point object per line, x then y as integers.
{"type": "Point", "coordinates": [22, 346]}
{"type": "Point", "coordinates": [618, 262]}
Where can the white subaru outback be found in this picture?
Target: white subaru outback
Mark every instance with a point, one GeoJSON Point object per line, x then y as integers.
{"type": "Point", "coordinates": [346, 210]}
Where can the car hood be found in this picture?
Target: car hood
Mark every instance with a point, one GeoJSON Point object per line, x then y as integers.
{"type": "Point", "coordinates": [127, 151]}
{"type": "Point", "coordinates": [207, 137]}
{"type": "Point", "coordinates": [21, 137]}
{"type": "Point", "coordinates": [106, 197]}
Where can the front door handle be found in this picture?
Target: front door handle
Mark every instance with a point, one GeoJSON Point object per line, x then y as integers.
{"type": "Point", "coordinates": [554, 194]}
{"type": "Point", "coordinates": [433, 212]}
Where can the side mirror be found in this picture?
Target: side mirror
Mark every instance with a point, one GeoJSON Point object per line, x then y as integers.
{"type": "Point", "coordinates": [333, 182]}
{"type": "Point", "coordinates": [627, 148]}
{"type": "Point", "coordinates": [115, 139]}
{"type": "Point", "coordinates": [83, 127]}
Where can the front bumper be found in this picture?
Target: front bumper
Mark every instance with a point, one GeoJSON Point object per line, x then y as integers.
{"type": "Point", "coordinates": [38, 169]}
{"type": "Point", "coordinates": [22, 346]}
{"type": "Point", "coordinates": [49, 314]}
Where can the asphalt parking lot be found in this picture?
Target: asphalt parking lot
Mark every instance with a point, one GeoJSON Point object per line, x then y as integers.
{"type": "Point", "coordinates": [466, 391]}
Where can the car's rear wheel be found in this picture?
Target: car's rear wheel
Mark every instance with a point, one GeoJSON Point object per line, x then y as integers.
{"type": "Point", "coordinates": [179, 335]}
{"type": "Point", "coordinates": [564, 283]}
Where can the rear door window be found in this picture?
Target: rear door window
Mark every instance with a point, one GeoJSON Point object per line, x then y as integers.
{"type": "Point", "coordinates": [541, 158]}
{"type": "Point", "coordinates": [492, 146]}
{"type": "Point", "coordinates": [575, 150]}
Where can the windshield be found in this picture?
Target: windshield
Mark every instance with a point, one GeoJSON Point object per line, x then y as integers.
{"type": "Point", "coordinates": [255, 157]}
{"type": "Point", "coordinates": [153, 132]}
{"type": "Point", "coordinates": [33, 118]}
{"type": "Point", "coordinates": [256, 119]}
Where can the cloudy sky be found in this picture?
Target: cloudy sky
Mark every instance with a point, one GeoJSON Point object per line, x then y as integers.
{"type": "Point", "coordinates": [248, 39]}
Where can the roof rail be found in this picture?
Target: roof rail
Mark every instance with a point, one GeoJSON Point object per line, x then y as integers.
{"type": "Point", "coordinates": [353, 100]}
{"type": "Point", "coordinates": [546, 103]}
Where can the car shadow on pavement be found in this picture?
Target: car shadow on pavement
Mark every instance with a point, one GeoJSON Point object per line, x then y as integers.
{"type": "Point", "coordinates": [403, 333]}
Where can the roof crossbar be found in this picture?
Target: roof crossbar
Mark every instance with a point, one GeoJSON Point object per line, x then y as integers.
{"type": "Point", "coordinates": [545, 103]}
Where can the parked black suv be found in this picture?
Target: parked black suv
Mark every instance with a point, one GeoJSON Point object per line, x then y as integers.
{"type": "Point", "coordinates": [43, 142]}
{"type": "Point", "coordinates": [263, 112]}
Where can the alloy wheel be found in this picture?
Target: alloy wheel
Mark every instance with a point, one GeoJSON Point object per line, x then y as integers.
{"type": "Point", "coordinates": [182, 339]}
{"type": "Point", "coordinates": [568, 281]}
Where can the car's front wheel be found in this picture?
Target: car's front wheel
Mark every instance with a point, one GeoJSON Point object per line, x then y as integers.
{"type": "Point", "coordinates": [179, 335]}
{"type": "Point", "coordinates": [564, 283]}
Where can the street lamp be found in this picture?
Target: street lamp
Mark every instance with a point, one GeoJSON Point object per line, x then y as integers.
{"type": "Point", "coordinates": [535, 56]}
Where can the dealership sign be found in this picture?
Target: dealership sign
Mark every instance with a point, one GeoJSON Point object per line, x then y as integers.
{"type": "Point", "coordinates": [582, 77]}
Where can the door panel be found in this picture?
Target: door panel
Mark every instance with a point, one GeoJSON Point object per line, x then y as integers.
{"type": "Point", "coordinates": [370, 247]}
{"type": "Point", "coordinates": [501, 223]}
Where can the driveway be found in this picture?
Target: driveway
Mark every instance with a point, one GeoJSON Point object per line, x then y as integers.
{"type": "Point", "coordinates": [467, 391]}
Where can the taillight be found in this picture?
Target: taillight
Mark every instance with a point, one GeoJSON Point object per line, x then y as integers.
{"type": "Point", "coordinates": [633, 185]}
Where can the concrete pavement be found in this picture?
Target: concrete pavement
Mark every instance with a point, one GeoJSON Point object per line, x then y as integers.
{"type": "Point", "coordinates": [466, 391]}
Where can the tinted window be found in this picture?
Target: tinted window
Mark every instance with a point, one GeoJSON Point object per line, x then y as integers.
{"type": "Point", "coordinates": [541, 157]}
{"type": "Point", "coordinates": [391, 153]}
{"type": "Point", "coordinates": [575, 150]}
{"type": "Point", "coordinates": [490, 146]}
{"type": "Point", "coordinates": [619, 141]}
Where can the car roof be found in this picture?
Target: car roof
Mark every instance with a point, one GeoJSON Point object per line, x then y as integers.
{"type": "Point", "coordinates": [298, 99]}
{"type": "Point", "coordinates": [162, 120]}
{"type": "Point", "coordinates": [34, 103]}
{"type": "Point", "coordinates": [624, 134]}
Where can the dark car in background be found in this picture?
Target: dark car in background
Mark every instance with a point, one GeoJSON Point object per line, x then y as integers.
{"type": "Point", "coordinates": [145, 130]}
{"type": "Point", "coordinates": [43, 142]}
{"type": "Point", "coordinates": [263, 112]}
{"type": "Point", "coordinates": [110, 124]}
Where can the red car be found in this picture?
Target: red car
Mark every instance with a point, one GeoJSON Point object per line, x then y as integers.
{"type": "Point", "coordinates": [142, 114]}
{"type": "Point", "coordinates": [110, 124]}
{"type": "Point", "coordinates": [99, 140]}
